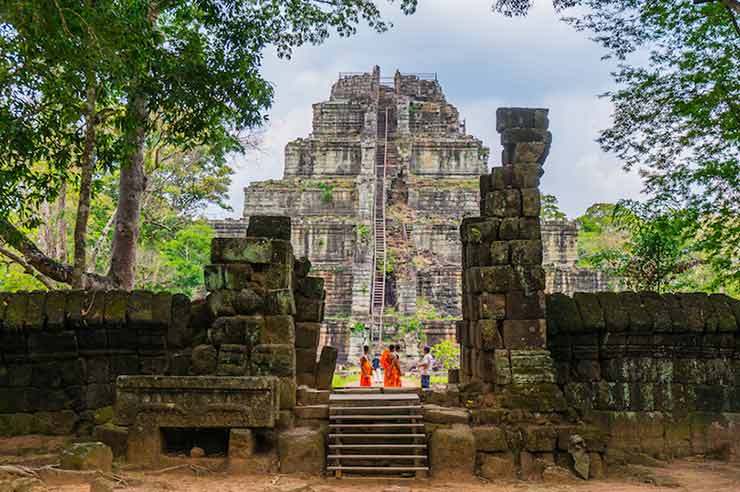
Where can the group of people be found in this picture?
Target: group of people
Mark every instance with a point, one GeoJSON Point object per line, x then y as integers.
{"type": "Point", "coordinates": [390, 366]}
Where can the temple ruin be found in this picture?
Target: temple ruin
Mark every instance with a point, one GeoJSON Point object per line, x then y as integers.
{"type": "Point", "coordinates": [395, 151]}
{"type": "Point", "coordinates": [549, 385]}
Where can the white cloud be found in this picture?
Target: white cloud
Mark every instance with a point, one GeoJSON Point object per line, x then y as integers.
{"type": "Point", "coordinates": [484, 61]}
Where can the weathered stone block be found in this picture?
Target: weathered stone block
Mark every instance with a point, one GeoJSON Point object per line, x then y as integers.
{"type": "Point", "coordinates": [204, 359]}
{"type": "Point", "coordinates": [87, 456]}
{"type": "Point", "coordinates": [233, 360]}
{"type": "Point", "coordinates": [524, 334]}
{"type": "Point", "coordinates": [490, 439]}
{"type": "Point", "coordinates": [249, 250]}
{"type": "Point", "coordinates": [519, 305]}
{"type": "Point", "coordinates": [540, 438]}
{"type": "Point", "coordinates": [15, 312]}
{"type": "Point", "coordinates": [281, 301]}
{"type": "Point", "coordinates": [441, 415]}
{"type": "Point", "coordinates": [499, 466]}
{"type": "Point", "coordinates": [302, 267]}
{"type": "Point", "coordinates": [502, 367]}
{"type": "Point", "coordinates": [529, 228]}
{"type": "Point", "coordinates": [489, 335]}
{"type": "Point", "coordinates": [305, 360]}
{"type": "Point", "coordinates": [590, 311]}
{"type": "Point", "coordinates": [510, 229]}
{"type": "Point", "coordinates": [227, 330]}
{"type": "Point", "coordinates": [541, 397]}
{"type": "Point", "coordinates": [273, 360]}
{"type": "Point", "coordinates": [479, 229]}
{"type": "Point", "coordinates": [494, 279]}
{"type": "Point", "coordinates": [525, 135]}
{"type": "Point", "coordinates": [55, 310]}
{"type": "Point", "coordinates": [499, 253]}
{"type": "Point", "coordinates": [114, 314]}
{"type": "Point", "coordinates": [269, 226]}
{"type": "Point", "coordinates": [307, 335]}
{"type": "Point", "coordinates": [526, 252]}
{"type": "Point", "coordinates": [492, 306]}
{"type": "Point", "coordinates": [302, 450]}
{"type": "Point", "coordinates": [521, 118]}
{"type": "Point", "coordinates": [278, 330]}
{"type": "Point", "coordinates": [287, 388]}
{"type": "Point", "coordinates": [616, 316]}
{"type": "Point", "coordinates": [531, 205]}
{"type": "Point", "coordinates": [311, 287]}
{"type": "Point", "coordinates": [452, 452]}
{"type": "Point", "coordinates": [45, 345]}
{"type": "Point", "coordinates": [241, 443]}
{"type": "Point", "coordinates": [505, 203]}
{"type": "Point", "coordinates": [325, 368]}
{"type": "Point", "coordinates": [113, 436]}
{"type": "Point", "coordinates": [309, 396]}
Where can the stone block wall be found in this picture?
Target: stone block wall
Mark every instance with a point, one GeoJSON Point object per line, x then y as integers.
{"type": "Point", "coordinates": [62, 351]}
{"type": "Point", "coordinates": [661, 373]}
{"type": "Point", "coordinates": [266, 310]}
{"type": "Point", "coordinates": [503, 332]}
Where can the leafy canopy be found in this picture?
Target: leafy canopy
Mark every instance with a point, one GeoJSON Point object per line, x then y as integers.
{"type": "Point", "coordinates": [676, 113]}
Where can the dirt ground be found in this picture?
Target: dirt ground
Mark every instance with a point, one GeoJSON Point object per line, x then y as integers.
{"type": "Point", "coordinates": [690, 475]}
{"type": "Point", "coordinates": [693, 475]}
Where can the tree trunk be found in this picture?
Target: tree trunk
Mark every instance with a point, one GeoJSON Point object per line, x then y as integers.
{"type": "Point", "coordinates": [131, 188]}
{"type": "Point", "coordinates": [61, 221]}
{"type": "Point", "coordinates": [87, 164]}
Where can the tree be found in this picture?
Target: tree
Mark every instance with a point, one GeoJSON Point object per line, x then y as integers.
{"type": "Point", "coordinates": [447, 353]}
{"type": "Point", "coordinates": [676, 116]}
{"type": "Point", "coordinates": [183, 73]}
{"type": "Point", "coordinates": [550, 209]}
{"type": "Point", "coordinates": [655, 252]}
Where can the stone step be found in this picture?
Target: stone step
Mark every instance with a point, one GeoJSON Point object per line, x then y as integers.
{"type": "Point", "coordinates": [378, 446]}
{"type": "Point", "coordinates": [377, 407]}
{"type": "Point", "coordinates": [375, 426]}
{"type": "Point", "coordinates": [375, 417]}
{"type": "Point", "coordinates": [379, 436]}
{"type": "Point", "coordinates": [377, 457]}
{"type": "Point", "coordinates": [378, 468]}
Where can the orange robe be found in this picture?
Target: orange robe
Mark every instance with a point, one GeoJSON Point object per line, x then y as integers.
{"type": "Point", "coordinates": [395, 372]}
{"type": "Point", "coordinates": [366, 372]}
{"type": "Point", "coordinates": [386, 361]}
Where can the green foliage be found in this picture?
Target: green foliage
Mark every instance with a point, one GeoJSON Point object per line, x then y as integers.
{"type": "Point", "coordinates": [364, 232]}
{"type": "Point", "coordinates": [357, 328]}
{"type": "Point", "coordinates": [426, 311]}
{"type": "Point", "coordinates": [656, 251]}
{"type": "Point", "coordinates": [676, 110]}
{"type": "Point", "coordinates": [186, 254]}
{"type": "Point", "coordinates": [448, 354]}
{"type": "Point", "coordinates": [550, 209]}
{"type": "Point", "coordinates": [327, 192]}
{"type": "Point", "coordinates": [165, 75]}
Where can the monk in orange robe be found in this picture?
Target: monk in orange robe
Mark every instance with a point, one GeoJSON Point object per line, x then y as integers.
{"type": "Point", "coordinates": [395, 369]}
{"type": "Point", "coordinates": [386, 360]}
{"type": "Point", "coordinates": [366, 368]}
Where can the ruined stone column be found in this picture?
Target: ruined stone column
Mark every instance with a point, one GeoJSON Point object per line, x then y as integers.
{"type": "Point", "coordinates": [503, 335]}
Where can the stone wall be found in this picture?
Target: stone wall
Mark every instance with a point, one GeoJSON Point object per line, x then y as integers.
{"type": "Point", "coordinates": [503, 333]}
{"type": "Point", "coordinates": [62, 352]}
{"type": "Point", "coordinates": [660, 373]}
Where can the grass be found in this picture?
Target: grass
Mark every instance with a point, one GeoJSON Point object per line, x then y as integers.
{"type": "Point", "coordinates": [410, 380]}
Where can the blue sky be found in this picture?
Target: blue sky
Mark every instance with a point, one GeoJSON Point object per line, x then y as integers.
{"type": "Point", "coordinates": [484, 61]}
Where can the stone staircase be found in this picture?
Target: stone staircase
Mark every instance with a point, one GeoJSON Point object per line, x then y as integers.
{"type": "Point", "coordinates": [376, 432]}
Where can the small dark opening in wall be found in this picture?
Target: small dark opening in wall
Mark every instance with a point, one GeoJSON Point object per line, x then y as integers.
{"type": "Point", "coordinates": [264, 440]}
{"type": "Point", "coordinates": [180, 440]}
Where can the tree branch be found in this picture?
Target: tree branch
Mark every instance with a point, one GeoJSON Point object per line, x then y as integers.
{"type": "Point", "coordinates": [27, 268]}
{"type": "Point", "coordinates": [49, 267]}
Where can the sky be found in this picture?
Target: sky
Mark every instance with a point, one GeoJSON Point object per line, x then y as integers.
{"type": "Point", "coordinates": [483, 61]}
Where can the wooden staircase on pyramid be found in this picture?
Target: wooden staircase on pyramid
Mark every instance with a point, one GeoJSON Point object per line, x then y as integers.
{"type": "Point", "coordinates": [376, 432]}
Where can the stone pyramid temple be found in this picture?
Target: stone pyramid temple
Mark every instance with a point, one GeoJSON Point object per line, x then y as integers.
{"type": "Point", "coordinates": [376, 193]}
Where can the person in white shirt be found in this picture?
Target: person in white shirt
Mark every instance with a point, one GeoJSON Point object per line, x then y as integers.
{"type": "Point", "coordinates": [425, 367]}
